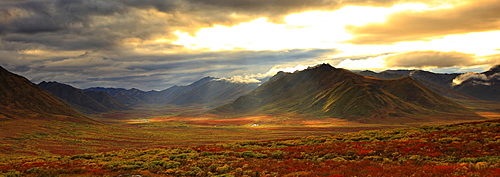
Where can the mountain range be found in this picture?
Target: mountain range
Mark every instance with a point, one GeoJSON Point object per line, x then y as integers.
{"type": "Point", "coordinates": [317, 91]}
{"type": "Point", "coordinates": [484, 86]}
{"type": "Point", "coordinates": [21, 99]}
{"type": "Point", "coordinates": [85, 101]}
{"type": "Point", "coordinates": [134, 96]}
{"type": "Point", "coordinates": [208, 91]}
{"type": "Point", "coordinates": [331, 92]}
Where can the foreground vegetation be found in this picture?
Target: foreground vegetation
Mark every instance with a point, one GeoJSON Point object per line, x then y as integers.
{"type": "Point", "coordinates": [466, 149]}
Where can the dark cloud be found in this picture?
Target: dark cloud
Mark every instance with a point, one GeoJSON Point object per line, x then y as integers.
{"type": "Point", "coordinates": [52, 16]}
{"type": "Point", "coordinates": [163, 6]}
{"type": "Point", "coordinates": [103, 25]}
{"type": "Point", "coordinates": [79, 24]}
{"type": "Point", "coordinates": [475, 16]}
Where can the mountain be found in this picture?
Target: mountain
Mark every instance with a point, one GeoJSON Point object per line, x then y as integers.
{"type": "Point", "coordinates": [129, 97]}
{"type": "Point", "coordinates": [381, 75]}
{"type": "Point", "coordinates": [485, 86]}
{"type": "Point", "coordinates": [465, 86]}
{"type": "Point", "coordinates": [134, 96]}
{"type": "Point", "coordinates": [21, 99]}
{"type": "Point", "coordinates": [439, 83]}
{"type": "Point", "coordinates": [167, 95]}
{"type": "Point", "coordinates": [85, 101]}
{"type": "Point", "coordinates": [208, 91]}
{"type": "Point", "coordinates": [330, 92]}
{"type": "Point", "coordinates": [444, 80]}
{"type": "Point", "coordinates": [214, 93]}
{"type": "Point", "coordinates": [492, 71]}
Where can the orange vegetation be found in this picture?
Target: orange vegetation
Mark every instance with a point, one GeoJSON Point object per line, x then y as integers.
{"type": "Point", "coordinates": [489, 115]}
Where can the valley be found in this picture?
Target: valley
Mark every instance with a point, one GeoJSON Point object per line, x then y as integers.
{"type": "Point", "coordinates": [249, 88]}
{"type": "Point", "coordinates": [242, 124]}
{"type": "Point", "coordinates": [465, 149]}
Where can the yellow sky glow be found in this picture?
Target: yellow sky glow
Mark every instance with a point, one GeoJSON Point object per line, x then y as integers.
{"type": "Point", "coordinates": [327, 29]}
{"type": "Point", "coordinates": [311, 29]}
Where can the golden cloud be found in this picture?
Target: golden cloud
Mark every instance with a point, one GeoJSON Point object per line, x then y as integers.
{"type": "Point", "coordinates": [419, 59]}
{"type": "Point", "coordinates": [473, 16]}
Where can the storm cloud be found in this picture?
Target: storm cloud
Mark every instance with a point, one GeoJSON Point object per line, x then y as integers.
{"type": "Point", "coordinates": [130, 43]}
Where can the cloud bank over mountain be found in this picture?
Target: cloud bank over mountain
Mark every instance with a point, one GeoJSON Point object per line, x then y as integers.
{"type": "Point", "coordinates": [154, 44]}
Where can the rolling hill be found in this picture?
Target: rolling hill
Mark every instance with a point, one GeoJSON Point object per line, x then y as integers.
{"type": "Point", "coordinates": [330, 92]}
{"type": "Point", "coordinates": [85, 101]}
{"type": "Point", "coordinates": [21, 99]}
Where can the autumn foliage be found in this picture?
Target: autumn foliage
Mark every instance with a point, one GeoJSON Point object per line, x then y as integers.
{"type": "Point", "coordinates": [467, 149]}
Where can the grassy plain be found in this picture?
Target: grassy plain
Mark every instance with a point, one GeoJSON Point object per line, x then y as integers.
{"type": "Point", "coordinates": [152, 127]}
{"type": "Point", "coordinates": [466, 149]}
{"type": "Point", "coordinates": [155, 127]}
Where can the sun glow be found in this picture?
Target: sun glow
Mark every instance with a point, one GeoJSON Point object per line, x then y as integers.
{"type": "Point", "coordinates": [480, 44]}
{"type": "Point", "coordinates": [311, 29]}
{"type": "Point", "coordinates": [327, 29]}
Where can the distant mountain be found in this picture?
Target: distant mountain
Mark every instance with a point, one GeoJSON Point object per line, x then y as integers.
{"type": "Point", "coordinates": [21, 99]}
{"type": "Point", "coordinates": [484, 86]}
{"type": "Point", "coordinates": [134, 96]}
{"type": "Point", "coordinates": [85, 101]}
{"type": "Point", "coordinates": [129, 97]}
{"type": "Point", "coordinates": [492, 71]}
{"type": "Point", "coordinates": [208, 91]}
{"type": "Point", "coordinates": [381, 75]}
{"type": "Point", "coordinates": [330, 92]}
{"type": "Point", "coordinates": [439, 83]}
{"type": "Point", "coordinates": [214, 93]}
{"type": "Point", "coordinates": [444, 80]}
{"type": "Point", "coordinates": [168, 95]}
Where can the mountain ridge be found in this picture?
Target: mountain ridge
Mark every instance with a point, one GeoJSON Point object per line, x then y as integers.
{"type": "Point", "coordinates": [332, 92]}
{"type": "Point", "coordinates": [464, 86]}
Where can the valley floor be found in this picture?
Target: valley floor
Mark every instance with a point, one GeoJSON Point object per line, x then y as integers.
{"type": "Point", "coordinates": [466, 149]}
{"type": "Point", "coordinates": [183, 142]}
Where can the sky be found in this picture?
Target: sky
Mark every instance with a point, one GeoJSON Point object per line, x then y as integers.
{"type": "Point", "coordinates": [155, 44]}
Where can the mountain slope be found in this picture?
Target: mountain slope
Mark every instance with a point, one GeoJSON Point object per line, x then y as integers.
{"type": "Point", "coordinates": [83, 100]}
{"type": "Point", "coordinates": [331, 92]}
{"type": "Point", "coordinates": [20, 99]}
{"type": "Point", "coordinates": [214, 93]}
